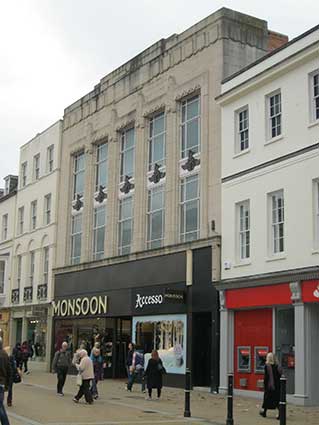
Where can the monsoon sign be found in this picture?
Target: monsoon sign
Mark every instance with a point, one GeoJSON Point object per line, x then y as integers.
{"type": "Point", "coordinates": [86, 306]}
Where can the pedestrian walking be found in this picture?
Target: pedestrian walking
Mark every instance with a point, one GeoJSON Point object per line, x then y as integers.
{"type": "Point", "coordinates": [97, 360]}
{"type": "Point", "coordinates": [154, 373]}
{"type": "Point", "coordinates": [137, 370]}
{"type": "Point", "coordinates": [15, 376]}
{"type": "Point", "coordinates": [60, 366]}
{"type": "Point", "coordinates": [129, 362]}
{"type": "Point", "coordinates": [25, 356]}
{"type": "Point", "coordinates": [85, 375]}
{"type": "Point", "coordinates": [17, 354]}
{"type": "Point", "coordinates": [5, 373]}
{"type": "Point", "coordinates": [272, 376]}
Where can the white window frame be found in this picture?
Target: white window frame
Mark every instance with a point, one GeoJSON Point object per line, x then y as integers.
{"type": "Point", "coordinates": [77, 172]}
{"type": "Point", "coordinates": [101, 163]}
{"type": "Point", "coordinates": [76, 260]}
{"type": "Point", "coordinates": [98, 255]}
{"type": "Point", "coordinates": [152, 140]}
{"type": "Point", "coordinates": [277, 222]}
{"type": "Point", "coordinates": [241, 131]}
{"type": "Point", "coordinates": [46, 259]}
{"type": "Point", "coordinates": [20, 220]}
{"type": "Point", "coordinates": [2, 275]}
{"type": "Point", "coordinates": [36, 167]}
{"type": "Point", "coordinates": [50, 158]}
{"type": "Point", "coordinates": [274, 115]}
{"type": "Point", "coordinates": [123, 151]}
{"type": "Point", "coordinates": [33, 214]}
{"type": "Point", "coordinates": [32, 268]}
{"type": "Point", "coordinates": [19, 270]}
{"type": "Point", "coordinates": [243, 230]}
{"type": "Point", "coordinates": [125, 249]}
{"type": "Point", "coordinates": [155, 243]}
{"type": "Point", "coordinates": [4, 233]}
{"type": "Point", "coordinates": [47, 208]}
{"type": "Point", "coordinates": [183, 204]}
{"type": "Point", "coordinates": [314, 96]}
{"type": "Point", "coordinates": [184, 121]}
{"type": "Point", "coordinates": [24, 167]}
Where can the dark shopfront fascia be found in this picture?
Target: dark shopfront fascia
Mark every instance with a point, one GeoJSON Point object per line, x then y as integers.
{"type": "Point", "coordinates": [149, 303]}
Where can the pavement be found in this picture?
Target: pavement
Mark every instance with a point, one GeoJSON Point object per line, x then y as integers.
{"type": "Point", "coordinates": [35, 403]}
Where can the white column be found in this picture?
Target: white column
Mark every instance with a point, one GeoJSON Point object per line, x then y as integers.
{"type": "Point", "coordinates": [49, 339]}
{"type": "Point", "coordinates": [301, 392]}
{"type": "Point", "coordinates": [226, 344]}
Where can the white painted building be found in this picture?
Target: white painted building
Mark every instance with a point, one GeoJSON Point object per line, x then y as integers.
{"type": "Point", "coordinates": [7, 220]}
{"type": "Point", "coordinates": [270, 219]}
{"type": "Point", "coordinates": [34, 241]}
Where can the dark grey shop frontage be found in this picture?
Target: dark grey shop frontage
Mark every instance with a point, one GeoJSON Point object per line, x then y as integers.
{"type": "Point", "coordinates": [148, 302]}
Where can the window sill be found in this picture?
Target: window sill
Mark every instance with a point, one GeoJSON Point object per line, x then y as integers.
{"type": "Point", "coordinates": [313, 124]}
{"type": "Point", "coordinates": [244, 152]}
{"type": "Point", "coordinates": [276, 257]}
{"type": "Point", "coordinates": [315, 251]}
{"type": "Point", "coordinates": [242, 263]}
{"type": "Point", "coordinates": [273, 140]}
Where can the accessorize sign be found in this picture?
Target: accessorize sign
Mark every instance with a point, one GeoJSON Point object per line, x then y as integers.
{"type": "Point", "coordinates": [86, 306]}
{"type": "Point", "coordinates": [157, 300]}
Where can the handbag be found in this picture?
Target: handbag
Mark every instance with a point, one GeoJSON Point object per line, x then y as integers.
{"type": "Point", "coordinates": [79, 379]}
{"type": "Point", "coordinates": [16, 377]}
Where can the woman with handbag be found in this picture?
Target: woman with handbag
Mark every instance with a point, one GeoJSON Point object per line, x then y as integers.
{"type": "Point", "coordinates": [84, 377]}
{"type": "Point", "coordinates": [154, 373]}
{"type": "Point", "coordinates": [15, 376]}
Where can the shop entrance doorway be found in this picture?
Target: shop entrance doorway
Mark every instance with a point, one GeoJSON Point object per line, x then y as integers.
{"type": "Point", "coordinates": [202, 344]}
{"type": "Point", "coordinates": [112, 334]}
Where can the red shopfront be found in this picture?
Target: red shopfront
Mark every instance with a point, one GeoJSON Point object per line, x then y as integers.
{"type": "Point", "coordinates": [261, 315]}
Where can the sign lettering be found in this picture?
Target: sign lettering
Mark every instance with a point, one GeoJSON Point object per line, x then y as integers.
{"type": "Point", "coordinates": [80, 306]}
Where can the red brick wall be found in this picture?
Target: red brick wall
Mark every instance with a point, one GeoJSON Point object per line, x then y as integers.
{"type": "Point", "coordinates": [276, 40]}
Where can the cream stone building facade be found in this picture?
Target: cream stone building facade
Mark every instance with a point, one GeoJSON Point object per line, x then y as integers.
{"type": "Point", "coordinates": [33, 251]}
{"type": "Point", "coordinates": [140, 206]}
{"type": "Point", "coordinates": [8, 197]}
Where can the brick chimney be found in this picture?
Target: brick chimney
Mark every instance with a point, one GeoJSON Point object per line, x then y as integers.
{"type": "Point", "coordinates": [275, 40]}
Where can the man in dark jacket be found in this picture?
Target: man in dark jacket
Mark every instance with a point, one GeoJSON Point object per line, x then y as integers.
{"type": "Point", "coordinates": [60, 366]}
{"type": "Point", "coordinates": [5, 373]}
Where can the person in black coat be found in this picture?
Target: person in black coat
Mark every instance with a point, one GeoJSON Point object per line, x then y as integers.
{"type": "Point", "coordinates": [154, 373]}
{"type": "Point", "coordinates": [272, 376]}
{"type": "Point", "coordinates": [17, 354]}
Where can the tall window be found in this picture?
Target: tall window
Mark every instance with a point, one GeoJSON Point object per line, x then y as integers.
{"type": "Point", "coordinates": [190, 125]}
{"type": "Point", "coordinates": [242, 130]}
{"type": "Point", "coordinates": [127, 153]}
{"type": "Point", "coordinates": [277, 221]}
{"type": "Point", "coordinates": [78, 175]}
{"type": "Point", "coordinates": [19, 270]}
{"type": "Point", "coordinates": [32, 258]}
{"type": "Point", "coordinates": [315, 96]}
{"type": "Point", "coordinates": [2, 271]}
{"type": "Point", "coordinates": [45, 265]}
{"type": "Point", "coordinates": [34, 215]}
{"type": "Point", "coordinates": [24, 174]}
{"type": "Point", "coordinates": [316, 212]}
{"type": "Point", "coordinates": [36, 166]}
{"type": "Point", "coordinates": [50, 158]}
{"type": "Point", "coordinates": [101, 166]}
{"type": "Point", "coordinates": [155, 219]}
{"type": "Point", "coordinates": [156, 141]}
{"type": "Point", "coordinates": [20, 220]}
{"type": "Point", "coordinates": [243, 210]}
{"type": "Point", "coordinates": [189, 228]}
{"type": "Point", "coordinates": [4, 235]}
{"type": "Point", "coordinates": [99, 232]}
{"type": "Point", "coordinates": [47, 209]}
{"type": "Point", "coordinates": [274, 111]}
{"type": "Point", "coordinates": [125, 225]}
{"type": "Point", "coordinates": [76, 237]}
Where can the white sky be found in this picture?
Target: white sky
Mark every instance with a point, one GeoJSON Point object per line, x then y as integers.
{"type": "Point", "coordinates": [52, 52]}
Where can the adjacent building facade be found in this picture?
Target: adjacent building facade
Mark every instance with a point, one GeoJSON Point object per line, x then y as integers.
{"type": "Point", "coordinates": [138, 245]}
{"type": "Point", "coordinates": [8, 198]}
{"type": "Point", "coordinates": [269, 292]}
{"type": "Point", "coordinates": [34, 240]}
